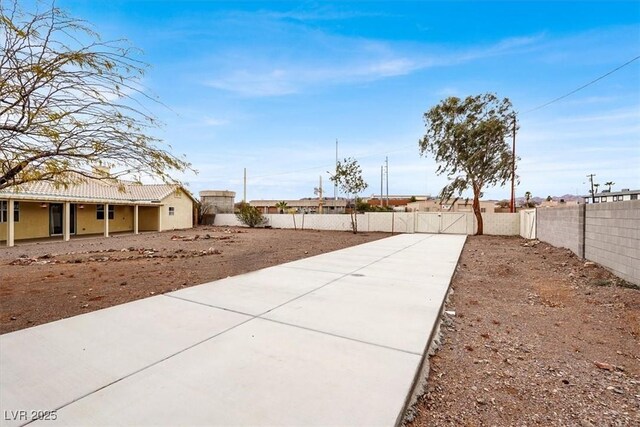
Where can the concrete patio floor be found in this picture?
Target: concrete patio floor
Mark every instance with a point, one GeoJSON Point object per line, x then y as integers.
{"type": "Point", "coordinates": [335, 339]}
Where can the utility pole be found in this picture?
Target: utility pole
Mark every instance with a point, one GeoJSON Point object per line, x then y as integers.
{"type": "Point", "coordinates": [512, 206]}
{"type": "Point", "coordinates": [381, 183]}
{"type": "Point", "coordinates": [387, 163]}
{"type": "Point", "coordinates": [244, 194]}
{"type": "Point", "coordinates": [593, 196]}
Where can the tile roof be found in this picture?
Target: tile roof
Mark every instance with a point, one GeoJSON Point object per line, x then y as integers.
{"type": "Point", "coordinates": [92, 190]}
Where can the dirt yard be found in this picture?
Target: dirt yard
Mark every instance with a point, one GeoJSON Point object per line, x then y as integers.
{"type": "Point", "coordinates": [42, 282]}
{"type": "Point", "coordinates": [537, 338]}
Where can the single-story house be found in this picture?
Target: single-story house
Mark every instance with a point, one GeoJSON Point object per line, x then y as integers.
{"type": "Point", "coordinates": [612, 196]}
{"type": "Point", "coordinates": [41, 209]}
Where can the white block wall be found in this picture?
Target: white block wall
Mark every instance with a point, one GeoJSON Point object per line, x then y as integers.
{"type": "Point", "coordinates": [500, 224]}
{"type": "Point", "coordinates": [396, 222]}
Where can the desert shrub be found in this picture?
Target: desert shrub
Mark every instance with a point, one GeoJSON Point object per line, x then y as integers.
{"type": "Point", "coordinates": [250, 215]}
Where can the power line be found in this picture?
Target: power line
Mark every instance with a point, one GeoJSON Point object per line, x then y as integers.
{"type": "Point", "coordinates": [581, 87]}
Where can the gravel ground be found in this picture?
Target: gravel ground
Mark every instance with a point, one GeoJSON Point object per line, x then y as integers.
{"type": "Point", "coordinates": [538, 338]}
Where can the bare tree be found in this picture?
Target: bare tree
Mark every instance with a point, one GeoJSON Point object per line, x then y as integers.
{"type": "Point", "coordinates": [72, 105]}
{"type": "Point", "coordinates": [204, 210]}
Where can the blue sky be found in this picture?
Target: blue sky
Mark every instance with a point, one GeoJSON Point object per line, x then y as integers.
{"type": "Point", "coordinates": [270, 86]}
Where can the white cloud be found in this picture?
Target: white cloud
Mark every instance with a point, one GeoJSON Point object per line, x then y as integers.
{"type": "Point", "coordinates": [214, 122]}
{"type": "Point", "coordinates": [319, 58]}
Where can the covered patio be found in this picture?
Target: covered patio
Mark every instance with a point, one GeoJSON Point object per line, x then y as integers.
{"type": "Point", "coordinates": [24, 218]}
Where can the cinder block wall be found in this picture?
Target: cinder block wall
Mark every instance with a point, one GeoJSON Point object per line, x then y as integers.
{"type": "Point", "coordinates": [562, 227]}
{"type": "Point", "coordinates": [500, 224]}
{"type": "Point", "coordinates": [612, 237]}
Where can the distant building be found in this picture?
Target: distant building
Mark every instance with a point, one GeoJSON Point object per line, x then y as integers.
{"type": "Point", "coordinates": [395, 201]}
{"type": "Point", "coordinates": [613, 196]}
{"type": "Point", "coordinates": [218, 201]}
{"type": "Point", "coordinates": [309, 206]}
{"type": "Point", "coordinates": [456, 205]}
{"type": "Point", "coordinates": [557, 203]}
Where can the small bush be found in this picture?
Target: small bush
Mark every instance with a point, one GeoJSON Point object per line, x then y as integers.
{"type": "Point", "coordinates": [625, 284]}
{"type": "Point", "coordinates": [601, 282]}
{"type": "Point", "coordinates": [250, 215]}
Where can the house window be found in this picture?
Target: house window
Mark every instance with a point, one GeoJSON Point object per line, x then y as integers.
{"type": "Point", "coordinates": [483, 209]}
{"type": "Point", "coordinates": [172, 211]}
{"type": "Point", "coordinates": [100, 212]}
{"type": "Point", "coordinates": [634, 197]}
{"type": "Point", "coordinates": [3, 211]}
{"type": "Point", "coordinates": [603, 198]}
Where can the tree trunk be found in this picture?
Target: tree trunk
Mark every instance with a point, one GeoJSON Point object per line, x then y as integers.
{"type": "Point", "coordinates": [476, 211]}
{"type": "Point", "coordinates": [354, 221]}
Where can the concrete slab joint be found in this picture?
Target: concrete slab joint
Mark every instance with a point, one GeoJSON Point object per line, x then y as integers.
{"type": "Point", "coordinates": [286, 345]}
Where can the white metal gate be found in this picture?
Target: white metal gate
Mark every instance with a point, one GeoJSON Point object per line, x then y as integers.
{"type": "Point", "coordinates": [442, 222]}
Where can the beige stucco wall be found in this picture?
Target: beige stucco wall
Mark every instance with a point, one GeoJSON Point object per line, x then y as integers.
{"type": "Point", "coordinates": [183, 217]}
{"type": "Point", "coordinates": [34, 222]}
{"type": "Point", "coordinates": [87, 222]}
{"type": "Point", "coordinates": [148, 218]}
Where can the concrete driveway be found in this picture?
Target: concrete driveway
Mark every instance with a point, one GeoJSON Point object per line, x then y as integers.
{"type": "Point", "coordinates": [335, 339]}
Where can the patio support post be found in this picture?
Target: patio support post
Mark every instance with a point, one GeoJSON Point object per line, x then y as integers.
{"type": "Point", "coordinates": [66, 224]}
{"type": "Point", "coordinates": [106, 220]}
{"type": "Point", "coordinates": [10, 223]}
{"type": "Point", "coordinates": [160, 218]}
{"type": "Point", "coordinates": [135, 219]}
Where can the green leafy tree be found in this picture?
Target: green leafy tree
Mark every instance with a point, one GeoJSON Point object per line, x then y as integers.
{"type": "Point", "coordinates": [282, 206]}
{"type": "Point", "coordinates": [609, 184]}
{"type": "Point", "coordinates": [348, 177]}
{"type": "Point", "coordinates": [362, 206]}
{"type": "Point", "coordinates": [71, 105]}
{"type": "Point", "coordinates": [467, 137]}
{"type": "Point", "coordinates": [250, 215]}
